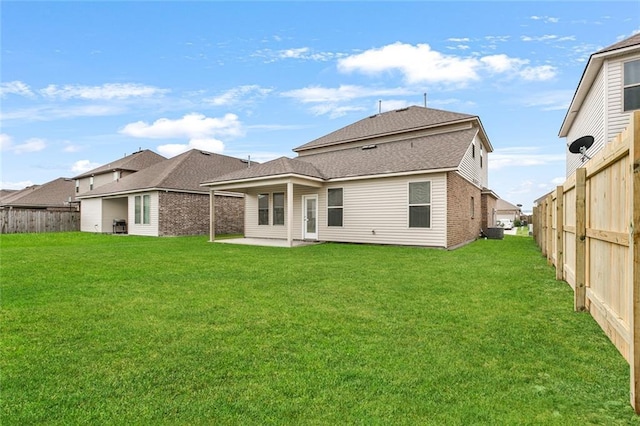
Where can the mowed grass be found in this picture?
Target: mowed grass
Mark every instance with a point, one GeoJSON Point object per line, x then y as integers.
{"type": "Point", "coordinates": [100, 329]}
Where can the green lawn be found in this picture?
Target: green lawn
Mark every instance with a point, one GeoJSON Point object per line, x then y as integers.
{"type": "Point", "coordinates": [100, 329]}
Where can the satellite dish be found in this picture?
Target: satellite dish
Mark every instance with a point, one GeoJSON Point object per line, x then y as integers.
{"type": "Point", "coordinates": [580, 145]}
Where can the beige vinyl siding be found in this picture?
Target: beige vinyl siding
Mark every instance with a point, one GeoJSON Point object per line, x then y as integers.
{"type": "Point", "coordinates": [589, 121]}
{"type": "Point", "coordinates": [377, 211]}
{"type": "Point", "coordinates": [91, 215]}
{"type": "Point", "coordinates": [150, 229]}
{"type": "Point", "coordinates": [617, 118]}
{"type": "Point", "coordinates": [113, 208]}
{"type": "Point", "coordinates": [470, 165]}
{"type": "Point", "coordinates": [251, 227]}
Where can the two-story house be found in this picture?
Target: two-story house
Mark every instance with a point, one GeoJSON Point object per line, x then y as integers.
{"type": "Point", "coordinates": [413, 176]}
{"type": "Point", "coordinates": [608, 92]}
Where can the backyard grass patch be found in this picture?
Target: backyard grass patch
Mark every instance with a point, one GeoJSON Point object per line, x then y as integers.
{"type": "Point", "coordinates": [122, 329]}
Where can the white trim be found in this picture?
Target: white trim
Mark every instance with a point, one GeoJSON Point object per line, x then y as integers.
{"type": "Point", "coordinates": [135, 191]}
{"type": "Point", "coordinates": [309, 235]}
{"type": "Point", "coordinates": [409, 205]}
{"type": "Point", "coordinates": [395, 174]}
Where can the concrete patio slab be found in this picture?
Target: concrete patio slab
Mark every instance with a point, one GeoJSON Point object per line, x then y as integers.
{"type": "Point", "coordinates": [266, 242]}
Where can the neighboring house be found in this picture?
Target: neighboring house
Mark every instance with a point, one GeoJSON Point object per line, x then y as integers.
{"type": "Point", "coordinates": [50, 207]}
{"type": "Point", "coordinates": [59, 194]}
{"type": "Point", "coordinates": [116, 170]}
{"type": "Point", "coordinates": [413, 176]}
{"type": "Point", "coordinates": [165, 199]}
{"type": "Point", "coordinates": [608, 92]}
{"type": "Point", "coordinates": [506, 210]}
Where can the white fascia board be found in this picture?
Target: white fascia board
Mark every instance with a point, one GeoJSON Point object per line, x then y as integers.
{"type": "Point", "coordinates": [395, 174]}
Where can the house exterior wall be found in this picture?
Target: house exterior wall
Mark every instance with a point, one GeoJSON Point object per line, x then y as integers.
{"type": "Point", "coordinates": [375, 211]}
{"type": "Point", "coordinates": [470, 166]}
{"type": "Point", "coordinates": [464, 218]}
{"type": "Point", "coordinates": [150, 229]}
{"type": "Point", "coordinates": [488, 207]}
{"type": "Point", "coordinates": [183, 213]}
{"type": "Point", "coordinates": [589, 121]}
{"type": "Point", "coordinates": [114, 208]}
{"type": "Point", "coordinates": [601, 114]}
{"type": "Point", "coordinates": [98, 180]}
{"type": "Point", "coordinates": [91, 215]}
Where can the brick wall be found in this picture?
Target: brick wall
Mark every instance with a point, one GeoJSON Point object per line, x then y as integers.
{"type": "Point", "coordinates": [462, 226]}
{"type": "Point", "coordinates": [188, 214]}
{"type": "Point", "coordinates": [488, 208]}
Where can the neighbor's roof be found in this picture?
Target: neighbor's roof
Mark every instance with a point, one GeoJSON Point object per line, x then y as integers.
{"type": "Point", "coordinates": [184, 172]}
{"type": "Point", "coordinates": [502, 205]}
{"type": "Point", "coordinates": [628, 45]}
{"type": "Point", "coordinates": [387, 123]}
{"type": "Point", "coordinates": [51, 194]}
{"type": "Point", "coordinates": [133, 162]}
{"type": "Point", "coordinates": [434, 152]}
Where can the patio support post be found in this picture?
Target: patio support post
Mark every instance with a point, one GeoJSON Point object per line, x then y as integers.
{"type": "Point", "coordinates": [212, 216]}
{"type": "Point", "coordinates": [290, 214]}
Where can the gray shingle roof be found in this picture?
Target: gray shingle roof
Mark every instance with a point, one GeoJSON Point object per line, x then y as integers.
{"type": "Point", "coordinates": [433, 152]}
{"type": "Point", "coordinates": [133, 162]}
{"type": "Point", "coordinates": [627, 42]}
{"type": "Point", "coordinates": [397, 121]}
{"type": "Point", "coordinates": [184, 172]}
{"type": "Point", "coordinates": [51, 194]}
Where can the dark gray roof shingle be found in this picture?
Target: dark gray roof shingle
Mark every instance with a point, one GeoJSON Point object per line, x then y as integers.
{"type": "Point", "coordinates": [51, 194]}
{"type": "Point", "coordinates": [391, 122]}
{"type": "Point", "coordinates": [184, 172]}
{"type": "Point", "coordinates": [627, 42]}
{"type": "Point", "coordinates": [133, 162]}
{"type": "Point", "coordinates": [433, 152]}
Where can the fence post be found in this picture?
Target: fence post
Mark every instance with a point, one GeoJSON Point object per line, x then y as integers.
{"type": "Point", "coordinates": [581, 239]}
{"type": "Point", "coordinates": [634, 241]}
{"type": "Point", "coordinates": [559, 232]}
{"type": "Point", "coordinates": [549, 237]}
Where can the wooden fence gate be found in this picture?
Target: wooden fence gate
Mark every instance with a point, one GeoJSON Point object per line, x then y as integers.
{"type": "Point", "coordinates": [589, 229]}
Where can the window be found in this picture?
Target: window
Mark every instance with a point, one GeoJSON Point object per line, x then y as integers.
{"type": "Point", "coordinates": [263, 209]}
{"type": "Point", "coordinates": [473, 208]}
{"type": "Point", "coordinates": [480, 155]}
{"type": "Point", "coordinates": [142, 209]}
{"type": "Point", "coordinates": [91, 183]}
{"type": "Point", "coordinates": [278, 208]}
{"type": "Point", "coordinates": [335, 207]}
{"type": "Point", "coordinates": [473, 150]}
{"type": "Point", "coordinates": [420, 204]}
{"type": "Point", "coordinates": [116, 175]}
{"type": "Point", "coordinates": [632, 85]}
{"type": "Point", "coordinates": [77, 186]}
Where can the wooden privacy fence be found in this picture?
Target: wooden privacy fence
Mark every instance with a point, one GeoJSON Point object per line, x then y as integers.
{"type": "Point", "coordinates": [15, 221]}
{"type": "Point", "coordinates": [589, 228]}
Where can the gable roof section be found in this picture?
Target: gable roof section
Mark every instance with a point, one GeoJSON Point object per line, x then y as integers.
{"type": "Point", "coordinates": [133, 162]}
{"type": "Point", "coordinates": [502, 205]}
{"type": "Point", "coordinates": [426, 153]}
{"type": "Point", "coordinates": [181, 173]}
{"type": "Point", "coordinates": [626, 46]}
{"type": "Point", "coordinates": [55, 193]}
{"type": "Point", "coordinates": [391, 122]}
{"type": "Point", "coordinates": [281, 166]}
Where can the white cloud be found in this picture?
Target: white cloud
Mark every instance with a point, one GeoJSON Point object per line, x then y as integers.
{"type": "Point", "coordinates": [82, 166]}
{"type": "Point", "coordinates": [421, 64]}
{"type": "Point", "coordinates": [550, 100]}
{"type": "Point", "coordinates": [302, 53]}
{"type": "Point", "coordinates": [316, 94]}
{"type": "Point", "coordinates": [293, 53]}
{"type": "Point", "coordinates": [47, 113]}
{"type": "Point", "coordinates": [30, 145]}
{"type": "Point", "coordinates": [334, 110]}
{"type": "Point", "coordinates": [201, 131]}
{"type": "Point", "coordinates": [241, 94]}
{"type": "Point", "coordinates": [69, 147]}
{"type": "Point", "coordinates": [6, 142]}
{"type": "Point", "coordinates": [107, 91]}
{"type": "Point", "coordinates": [459, 40]}
{"type": "Point", "coordinates": [546, 19]}
{"type": "Point", "coordinates": [15, 88]}
{"type": "Point", "coordinates": [541, 73]}
{"type": "Point", "coordinates": [417, 63]}
{"type": "Point", "coordinates": [16, 185]}
{"type": "Point", "coordinates": [521, 157]}
{"type": "Point", "coordinates": [210, 145]}
{"type": "Point", "coordinates": [193, 126]}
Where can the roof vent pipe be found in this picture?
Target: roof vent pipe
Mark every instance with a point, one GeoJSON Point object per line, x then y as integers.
{"type": "Point", "coordinates": [425, 99]}
{"type": "Point", "coordinates": [379, 106]}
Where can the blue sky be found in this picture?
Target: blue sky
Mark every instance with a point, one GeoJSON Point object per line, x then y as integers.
{"type": "Point", "coordinates": [84, 83]}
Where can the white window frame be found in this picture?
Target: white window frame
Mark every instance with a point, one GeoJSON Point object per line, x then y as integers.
{"type": "Point", "coordinates": [142, 209]}
{"type": "Point", "coordinates": [428, 204]}
{"type": "Point", "coordinates": [283, 208]}
{"type": "Point", "coordinates": [336, 207]}
{"type": "Point", "coordinates": [628, 86]}
{"type": "Point", "coordinates": [268, 209]}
